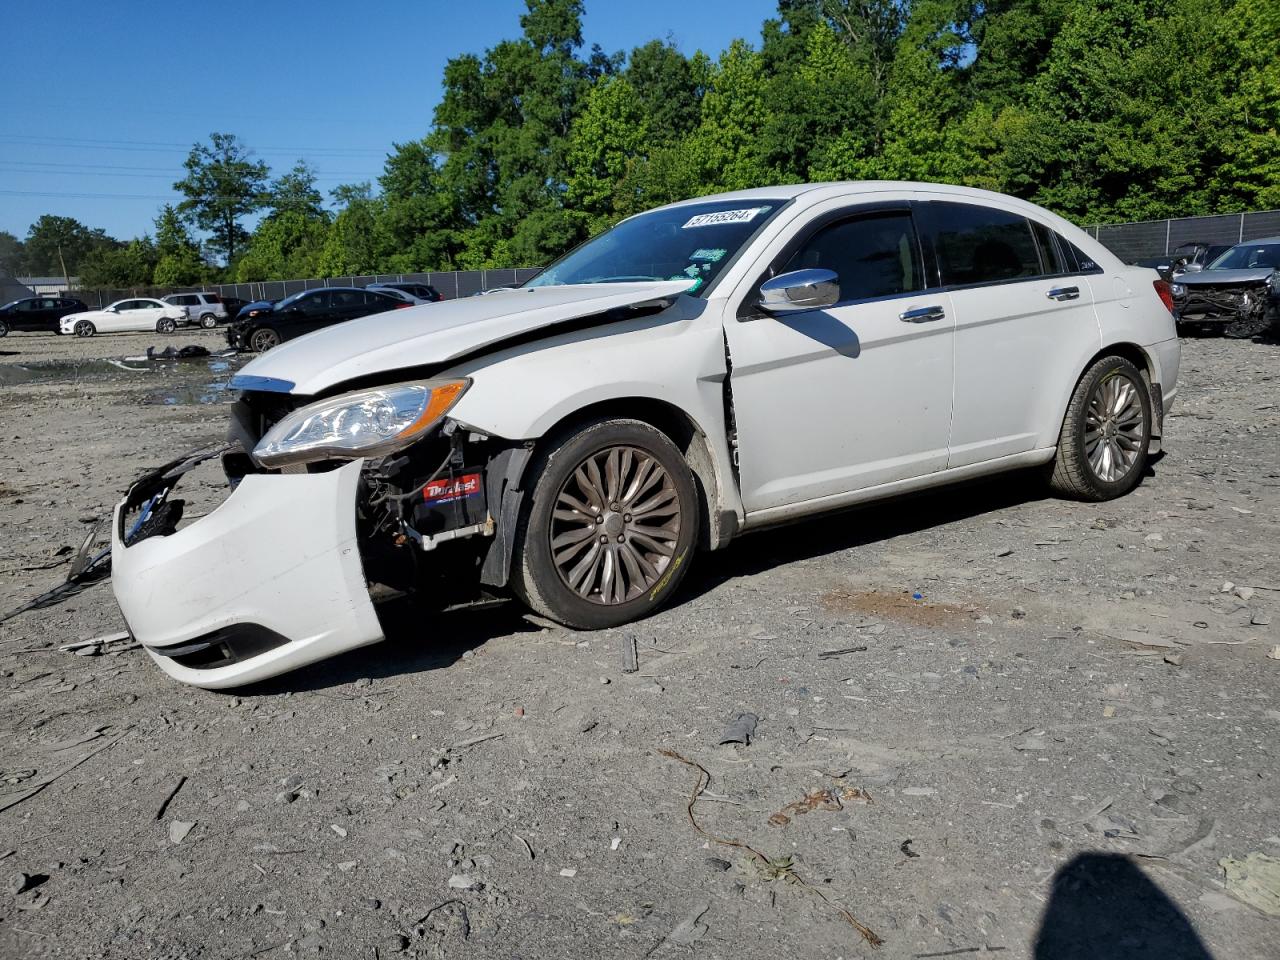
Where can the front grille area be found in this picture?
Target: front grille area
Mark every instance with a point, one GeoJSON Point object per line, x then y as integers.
{"type": "Point", "coordinates": [1233, 301]}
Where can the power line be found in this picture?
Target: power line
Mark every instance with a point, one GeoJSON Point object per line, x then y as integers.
{"type": "Point", "coordinates": [170, 170]}
{"type": "Point", "coordinates": [152, 146]}
{"type": "Point", "coordinates": [171, 175]}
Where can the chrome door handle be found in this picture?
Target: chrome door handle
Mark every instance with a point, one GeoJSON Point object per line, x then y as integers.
{"type": "Point", "coordinates": [922, 314]}
{"type": "Point", "coordinates": [1064, 293]}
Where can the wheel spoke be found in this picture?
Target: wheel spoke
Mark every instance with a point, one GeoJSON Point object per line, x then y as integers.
{"type": "Point", "coordinates": [625, 497]}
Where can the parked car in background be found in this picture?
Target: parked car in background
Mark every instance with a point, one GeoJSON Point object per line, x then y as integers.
{"type": "Point", "coordinates": [233, 306]}
{"type": "Point", "coordinates": [263, 325]}
{"type": "Point", "coordinates": [206, 309]}
{"type": "Point", "coordinates": [39, 314]}
{"type": "Point", "coordinates": [424, 292]}
{"type": "Point", "coordinates": [399, 294]}
{"type": "Point", "coordinates": [700, 371]}
{"type": "Point", "coordinates": [1194, 256]}
{"type": "Point", "coordinates": [1239, 292]}
{"type": "Point", "coordinates": [138, 314]}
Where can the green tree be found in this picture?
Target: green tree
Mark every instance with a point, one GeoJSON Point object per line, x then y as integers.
{"type": "Point", "coordinates": [12, 255]}
{"type": "Point", "coordinates": [609, 137]}
{"type": "Point", "coordinates": [726, 150]}
{"type": "Point", "coordinates": [420, 218]}
{"type": "Point", "coordinates": [1249, 58]}
{"type": "Point", "coordinates": [178, 260]}
{"type": "Point", "coordinates": [128, 265]}
{"type": "Point", "coordinates": [667, 88]}
{"type": "Point", "coordinates": [295, 192]}
{"type": "Point", "coordinates": [286, 245]}
{"type": "Point", "coordinates": [53, 242]}
{"type": "Point", "coordinates": [222, 186]}
{"type": "Point", "coordinates": [353, 244]}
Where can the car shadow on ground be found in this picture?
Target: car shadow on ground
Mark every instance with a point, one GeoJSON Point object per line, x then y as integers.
{"type": "Point", "coordinates": [871, 523]}
{"type": "Point", "coordinates": [1103, 907]}
{"type": "Point", "coordinates": [419, 640]}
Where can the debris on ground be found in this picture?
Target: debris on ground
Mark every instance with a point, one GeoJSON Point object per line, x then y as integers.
{"type": "Point", "coordinates": [740, 730]}
{"type": "Point", "coordinates": [827, 798]}
{"type": "Point", "coordinates": [630, 655]}
{"type": "Point", "coordinates": [168, 799]}
{"type": "Point", "coordinates": [1255, 880]}
{"type": "Point", "coordinates": [780, 869]}
{"type": "Point", "coordinates": [691, 929]}
{"type": "Point", "coordinates": [178, 830]}
{"type": "Point", "coordinates": [832, 654]}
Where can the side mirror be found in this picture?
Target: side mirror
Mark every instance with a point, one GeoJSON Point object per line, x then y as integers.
{"type": "Point", "coordinates": [799, 290]}
{"type": "Point", "coordinates": [1192, 267]}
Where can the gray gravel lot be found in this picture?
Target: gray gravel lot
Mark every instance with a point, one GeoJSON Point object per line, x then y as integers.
{"type": "Point", "coordinates": [1059, 741]}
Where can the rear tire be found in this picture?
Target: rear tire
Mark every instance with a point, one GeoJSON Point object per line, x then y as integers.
{"type": "Point", "coordinates": [165, 325]}
{"type": "Point", "coordinates": [609, 525]}
{"type": "Point", "coordinates": [85, 329]}
{"type": "Point", "coordinates": [263, 339]}
{"type": "Point", "coordinates": [4, 329]}
{"type": "Point", "coordinates": [208, 321]}
{"type": "Point", "coordinates": [1102, 449]}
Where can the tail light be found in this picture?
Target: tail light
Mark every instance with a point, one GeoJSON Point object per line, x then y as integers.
{"type": "Point", "coordinates": [1165, 293]}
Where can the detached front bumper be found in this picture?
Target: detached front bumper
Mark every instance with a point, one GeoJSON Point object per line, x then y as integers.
{"type": "Point", "coordinates": [269, 581]}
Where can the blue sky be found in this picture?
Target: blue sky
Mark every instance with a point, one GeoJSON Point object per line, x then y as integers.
{"type": "Point", "coordinates": [103, 99]}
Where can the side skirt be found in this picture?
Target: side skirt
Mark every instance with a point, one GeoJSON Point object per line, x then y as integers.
{"type": "Point", "coordinates": [794, 511]}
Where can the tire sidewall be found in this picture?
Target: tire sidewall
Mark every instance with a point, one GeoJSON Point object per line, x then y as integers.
{"type": "Point", "coordinates": [253, 339]}
{"type": "Point", "coordinates": [166, 326]}
{"type": "Point", "coordinates": [84, 329]}
{"type": "Point", "coordinates": [208, 321]}
{"type": "Point", "coordinates": [1104, 370]}
{"type": "Point", "coordinates": [534, 569]}
{"type": "Point", "coordinates": [4, 328]}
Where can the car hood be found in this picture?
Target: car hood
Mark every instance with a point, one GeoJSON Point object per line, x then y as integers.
{"type": "Point", "coordinates": [1213, 278]}
{"type": "Point", "coordinates": [257, 305]}
{"type": "Point", "coordinates": [435, 333]}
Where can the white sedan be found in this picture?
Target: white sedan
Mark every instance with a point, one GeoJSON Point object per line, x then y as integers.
{"type": "Point", "coordinates": [140, 314]}
{"type": "Point", "coordinates": [700, 371]}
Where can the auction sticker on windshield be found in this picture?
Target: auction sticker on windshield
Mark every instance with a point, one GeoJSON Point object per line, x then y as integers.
{"type": "Point", "coordinates": [724, 216]}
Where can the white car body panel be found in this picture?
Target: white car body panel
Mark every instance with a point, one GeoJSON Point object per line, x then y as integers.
{"type": "Point", "coordinates": [225, 569]}
{"type": "Point", "coordinates": [831, 407]}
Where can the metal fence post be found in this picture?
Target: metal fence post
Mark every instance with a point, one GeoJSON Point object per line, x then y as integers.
{"type": "Point", "coordinates": [1168, 227]}
{"type": "Point", "coordinates": [1241, 240]}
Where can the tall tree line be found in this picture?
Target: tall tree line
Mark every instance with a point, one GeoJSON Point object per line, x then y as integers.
{"type": "Point", "coordinates": [1102, 110]}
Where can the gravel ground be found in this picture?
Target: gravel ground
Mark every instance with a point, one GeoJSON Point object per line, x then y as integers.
{"type": "Point", "coordinates": [1046, 755]}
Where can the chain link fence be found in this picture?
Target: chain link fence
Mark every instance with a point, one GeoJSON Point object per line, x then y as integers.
{"type": "Point", "coordinates": [451, 284]}
{"type": "Point", "coordinates": [1156, 238]}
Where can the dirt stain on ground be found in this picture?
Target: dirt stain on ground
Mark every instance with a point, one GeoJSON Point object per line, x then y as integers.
{"type": "Point", "coordinates": [902, 607]}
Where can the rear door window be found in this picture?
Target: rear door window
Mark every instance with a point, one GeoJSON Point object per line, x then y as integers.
{"type": "Point", "coordinates": [874, 255]}
{"type": "Point", "coordinates": [977, 245]}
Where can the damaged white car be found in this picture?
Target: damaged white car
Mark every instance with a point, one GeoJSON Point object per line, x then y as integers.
{"type": "Point", "coordinates": [700, 371]}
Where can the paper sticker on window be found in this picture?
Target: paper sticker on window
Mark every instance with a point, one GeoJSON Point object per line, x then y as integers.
{"type": "Point", "coordinates": [724, 216]}
{"type": "Point", "coordinates": [708, 255]}
{"type": "Point", "coordinates": [446, 491]}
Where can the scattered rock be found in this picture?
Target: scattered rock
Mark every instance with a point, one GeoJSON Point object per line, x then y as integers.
{"type": "Point", "coordinates": [919, 792]}
{"type": "Point", "coordinates": [178, 830]}
{"type": "Point", "coordinates": [568, 872]}
{"type": "Point", "coordinates": [462, 881]}
{"type": "Point", "coordinates": [1174, 659]}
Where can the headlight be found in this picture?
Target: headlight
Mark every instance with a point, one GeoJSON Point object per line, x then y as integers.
{"type": "Point", "coordinates": [1178, 289]}
{"type": "Point", "coordinates": [367, 423]}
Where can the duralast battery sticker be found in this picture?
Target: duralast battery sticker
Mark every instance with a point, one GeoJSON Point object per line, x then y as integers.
{"type": "Point", "coordinates": [446, 491]}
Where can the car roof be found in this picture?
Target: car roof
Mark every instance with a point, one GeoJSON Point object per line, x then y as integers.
{"type": "Point", "coordinates": [1243, 243]}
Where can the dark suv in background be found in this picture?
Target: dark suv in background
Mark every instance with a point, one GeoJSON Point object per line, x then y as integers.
{"type": "Point", "coordinates": [37, 313]}
{"type": "Point", "coordinates": [263, 325]}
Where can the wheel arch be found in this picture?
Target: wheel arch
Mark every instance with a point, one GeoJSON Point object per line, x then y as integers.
{"type": "Point", "coordinates": [683, 430]}
{"type": "Point", "coordinates": [1140, 358]}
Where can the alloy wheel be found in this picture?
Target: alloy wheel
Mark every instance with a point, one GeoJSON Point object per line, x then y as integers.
{"type": "Point", "coordinates": [615, 525]}
{"type": "Point", "coordinates": [1113, 429]}
{"type": "Point", "coordinates": [264, 340]}
{"type": "Point", "coordinates": [84, 329]}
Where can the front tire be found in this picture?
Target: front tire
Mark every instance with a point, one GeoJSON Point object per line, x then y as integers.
{"type": "Point", "coordinates": [165, 325]}
{"type": "Point", "coordinates": [85, 329]}
{"type": "Point", "coordinates": [263, 340]}
{"type": "Point", "coordinates": [609, 526]}
{"type": "Point", "coordinates": [1102, 450]}
{"type": "Point", "coordinates": [4, 329]}
{"type": "Point", "coordinates": [208, 321]}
